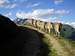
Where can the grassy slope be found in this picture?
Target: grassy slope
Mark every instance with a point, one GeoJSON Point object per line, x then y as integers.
{"type": "Point", "coordinates": [69, 45]}
{"type": "Point", "coordinates": [55, 45]}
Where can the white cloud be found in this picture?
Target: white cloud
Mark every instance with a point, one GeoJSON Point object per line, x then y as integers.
{"type": "Point", "coordinates": [11, 6]}
{"type": "Point", "coordinates": [62, 12]}
{"type": "Point", "coordinates": [55, 19]}
{"type": "Point", "coordinates": [39, 13]}
{"type": "Point", "coordinates": [36, 4]}
{"type": "Point", "coordinates": [71, 24]}
{"type": "Point", "coordinates": [58, 1]}
{"type": "Point", "coordinates": [33, 5]}
{"type": "Point", "coordinates": [42, 13]}
{"type": "Point", "coordinates": [7, 4]}
{"type": "Point", "coordinates": [2, 2]}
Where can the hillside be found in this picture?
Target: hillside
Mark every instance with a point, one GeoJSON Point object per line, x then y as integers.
{"type": "Point", "coordinates": [68, 32]}
{"type": "Point", "coordinates": [20, 41]}
{"type": "Point", "coordinates": [57, 46]}
{"type": "Point", "coordinates": [24, 40]}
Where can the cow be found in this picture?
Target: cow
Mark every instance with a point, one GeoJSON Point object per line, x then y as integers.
{"type": "Point", "coordinates": [48, 26]}
{"type": "Point", "coordinates": [42, 24]}
{"type": "Point", "coordinates": [38, 24]}
{"type": "Point", "coordinates": [35, 23]}
{"type": "Point", "coordinates": [57, 28]}
{"type": "Point", "coordinates": [32, 20]}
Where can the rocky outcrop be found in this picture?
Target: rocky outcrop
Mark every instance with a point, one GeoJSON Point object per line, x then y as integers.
{"type": "Point", "coordinates": [20, 21]}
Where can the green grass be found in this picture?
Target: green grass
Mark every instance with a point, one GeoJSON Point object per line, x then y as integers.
{"type": "Point", "coordinates": [72, 43]}
{"type": "Point", "coordinates": [52, 51]}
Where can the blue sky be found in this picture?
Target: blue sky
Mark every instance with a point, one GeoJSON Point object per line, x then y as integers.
{"type": "Point", "coordinates": [63, 10]}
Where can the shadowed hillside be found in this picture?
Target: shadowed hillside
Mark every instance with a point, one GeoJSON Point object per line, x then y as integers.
{"type": "Point", "coordinates": [20, 41]}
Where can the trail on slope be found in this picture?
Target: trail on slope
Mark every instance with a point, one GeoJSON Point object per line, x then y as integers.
{"type": "Point", "coordinates": [57, 46]}
{"type": "Point", "coordinates": [60, 50]}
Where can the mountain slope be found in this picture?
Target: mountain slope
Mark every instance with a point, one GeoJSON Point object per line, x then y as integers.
{"type": "Point", "coordinates": [20, 41]}
{"type": "Point", "coordinates": [68, 32]}
{"type": "Point", "coordinates": [28, 41]}
{"type": "Point", "coordinates": [58, 47]}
